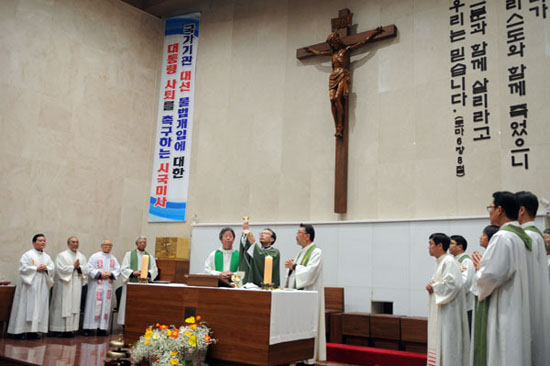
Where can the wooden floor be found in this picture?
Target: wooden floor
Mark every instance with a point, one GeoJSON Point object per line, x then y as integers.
{"type": "Point", "coordinates": [49, 351]}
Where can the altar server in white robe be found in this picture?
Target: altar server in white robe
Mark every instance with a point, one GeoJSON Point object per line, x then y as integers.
{"type": "Point", "coordinates": [448, 333]}
{"type": "Point", "coordinates": [71, 273]}
{"type": "Point", "coordinates": [306, 273]}
{"type": "Point", "coordinates": [104, 269]}
{"type": "Point", "coordinates": [29, 312]}
{"type": "Point", "coordinates": [130, 271]}
{"type": "Point", "coordinates": [458, 247]}
{"type": "Point", "coordinates": [539, 287]}
{"type": "Point", "coordinates": [502, 283]}
{"type": "Point", "coordinates": [224, 261]}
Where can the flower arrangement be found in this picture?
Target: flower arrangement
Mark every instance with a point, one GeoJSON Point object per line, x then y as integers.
{"type": "Point", "coordinates": [168, 345]}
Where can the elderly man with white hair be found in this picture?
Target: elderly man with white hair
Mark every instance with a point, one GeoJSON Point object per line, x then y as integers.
{"type": "Point", "coordinates": [131, 270]}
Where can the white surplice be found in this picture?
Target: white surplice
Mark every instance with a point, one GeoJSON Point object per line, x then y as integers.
{"type": "Point", "coordinates": [126, 272]}
{"type": "Point", "coordinates": [29, 312]}
{"type": "Point", "coordinates": [467, 278]}
{"type": "Point", "coordinates": [66, 295]}
{"type": "Point", "coordinates": [310, 278]}
{"type": "Point", "coordinates": [539, 289]}
{"type": "Point", "coordinates": [503, 276]}
{"type": "Point", "coordinates": [210, 262]}
{"type": "Point", "coordinates": [448, 333]}
{"type": "Point", "coordinates": [100, 292]}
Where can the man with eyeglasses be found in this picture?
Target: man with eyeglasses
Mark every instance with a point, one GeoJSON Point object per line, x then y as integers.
{"type": "Point", "coordinates": [306, 273]}
{"type": "Point", "coordinates": [502, 331]}
{"type": "Point", "coordinates": [252, 256]}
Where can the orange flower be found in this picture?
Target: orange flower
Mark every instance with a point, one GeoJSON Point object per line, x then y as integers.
{"type": "Point", "coordinates": [163, 327]}
{"type": "Point", "coordinates": [175, 333]}
{"type": "Point", "coordinates": [193, 326]}
{"type": "Point", "coordinates": [198, 318]}
{"type": "Point", "coordinates": [207, 338]}
{"type": "Point", "coordinates": [157, 325]}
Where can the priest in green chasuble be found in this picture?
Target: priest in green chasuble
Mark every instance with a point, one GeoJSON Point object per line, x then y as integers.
{"type": "Point", "coordinates": [130, 271]}
{"type": "Point", "coordinates": [224, 261]}
{"type": "Point", "coordinates": [252, 256]}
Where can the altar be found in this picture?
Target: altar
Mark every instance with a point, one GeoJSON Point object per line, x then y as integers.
{"type": "Point", "coordinates": [253, 327]}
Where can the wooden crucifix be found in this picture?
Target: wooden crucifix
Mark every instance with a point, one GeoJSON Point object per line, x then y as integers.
{"type": "Point", "coordinates": [339, 45]}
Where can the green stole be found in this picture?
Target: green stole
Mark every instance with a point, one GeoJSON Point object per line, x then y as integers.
{"type": "Point", "coordinates": [461, 259]}
{"type": "Point", "coordinates": [482, 307]}
{"type": "Point", "coordinates": [305, 259]}
{"type": "Point", "coordinates": [134, 263]}
{"type": "Point", "coordinates": [534, 229]}
{"type": "Point", "coordinates": [218, 261]}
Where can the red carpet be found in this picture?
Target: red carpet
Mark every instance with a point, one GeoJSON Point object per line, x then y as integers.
{"type": "Point", "coordinates": [367, 356]}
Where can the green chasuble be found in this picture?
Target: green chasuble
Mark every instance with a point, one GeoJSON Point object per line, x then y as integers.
{"type": "Point", "coordinates": [253, 266]}
{"type": "Point", "coordinates": [482, 308]}
{"type": "Point", "coordinates": [134, 264]}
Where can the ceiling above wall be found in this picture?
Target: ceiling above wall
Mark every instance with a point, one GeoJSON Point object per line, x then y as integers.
{"type": "Point", "coordinates": [166, 8]}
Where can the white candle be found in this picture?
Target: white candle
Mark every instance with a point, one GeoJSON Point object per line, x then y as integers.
{"type": "Point", "coordinates": [144, 266]}
{"type": "Point", "coordinates": [268, 268]}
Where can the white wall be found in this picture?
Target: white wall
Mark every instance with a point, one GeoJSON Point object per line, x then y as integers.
{"type": "Point", "coordinates": [373, 260]}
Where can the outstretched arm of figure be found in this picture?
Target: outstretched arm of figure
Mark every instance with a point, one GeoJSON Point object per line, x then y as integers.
{"type": "Point", "coordinates": [354, 46]}
{"type": "Point", "coordinates": [318, 53]}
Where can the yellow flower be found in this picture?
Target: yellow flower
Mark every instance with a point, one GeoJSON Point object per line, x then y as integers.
{"type": "Point", "coordinates": [148, 333]}
{"type": "Point", "coordinates": [147, 341]}
{"type": "Point", "coordinates": [173, 353]}
{"type": "Point", "coordinates": [188, 333]}
{"type": "Point", "coordinates": [193, 341]}
{"type": "Point", "coordinates": [168, 333]}
{"type": "Point", "coordinates": [191, 319]}
{"type": "Point", "coordinates": [173, 361]}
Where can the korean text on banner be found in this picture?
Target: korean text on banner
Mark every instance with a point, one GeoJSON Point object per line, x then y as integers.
{"type": "Point", "coordinates": [170, 182]}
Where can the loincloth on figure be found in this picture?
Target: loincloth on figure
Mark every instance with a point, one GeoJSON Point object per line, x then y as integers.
{"type": "Point", "coordinates": [337, 77]}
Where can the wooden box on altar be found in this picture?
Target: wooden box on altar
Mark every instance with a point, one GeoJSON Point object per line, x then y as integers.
{"type": "Point", "coordinates": [172, 248]}
{"type": "Point", "coordinates": [173, 270]}
{"type": "Point", "coordinates": [241, 321]}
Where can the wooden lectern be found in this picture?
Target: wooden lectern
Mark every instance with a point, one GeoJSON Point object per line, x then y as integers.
{"type": "Point", "coordinates": [240, 321]}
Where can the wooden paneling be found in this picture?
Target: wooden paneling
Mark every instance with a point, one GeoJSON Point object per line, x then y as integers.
{"type": "Point", "coordinates": [385, 330]}
{"type": "Point", "coordinates": [414, 334]}
{"type": "Point", "coordinates": [239, 319]}
{"type": "Point", "coordinates": [6, 299]}
{"type": "Point", "coordinates": [356, 324]}
{"type": "Point", "coordinates": [335, 334]}
{"type": "Point", "coordinates": [334, 299]}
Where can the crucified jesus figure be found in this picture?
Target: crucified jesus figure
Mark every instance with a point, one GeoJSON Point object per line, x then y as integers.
{"type": "Point", "coordinates": [338, 84]}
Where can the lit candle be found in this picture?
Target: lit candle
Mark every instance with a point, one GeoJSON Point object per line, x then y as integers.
{"type": "Point", "coordinates": [144, 266]}
{"type": "Point", "coordinates": [268, 267]}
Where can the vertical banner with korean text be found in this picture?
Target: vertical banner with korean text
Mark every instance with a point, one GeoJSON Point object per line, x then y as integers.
{"type": "Point", "coordinates": [170, 181]}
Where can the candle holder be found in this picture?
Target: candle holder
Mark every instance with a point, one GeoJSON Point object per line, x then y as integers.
{"type": "Point", "coordinates": [267, 286]}
{"type": "Point", "coordinates": [143, 280]}
{"type": "Point", "coordinates": [118, 355]}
